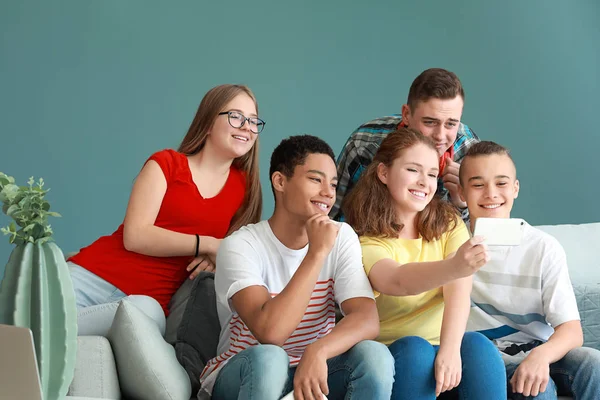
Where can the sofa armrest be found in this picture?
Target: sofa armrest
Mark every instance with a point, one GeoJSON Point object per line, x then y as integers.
{"type": "Point", "coordinates": [95, 370]}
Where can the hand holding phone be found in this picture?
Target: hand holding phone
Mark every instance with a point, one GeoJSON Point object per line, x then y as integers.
{"type": "Point", "coordinates": [470, 257]}
{"type": "Point", "coordinates": [500, 231]}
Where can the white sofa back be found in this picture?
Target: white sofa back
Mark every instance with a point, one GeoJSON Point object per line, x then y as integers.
{"type": "Point", "coordinates": [582, 245]}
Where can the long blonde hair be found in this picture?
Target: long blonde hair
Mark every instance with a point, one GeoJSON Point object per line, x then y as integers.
{"type": "Point", "coordinates": [195, 139]}
{"type": "Point", "coordinates": [369, 207]}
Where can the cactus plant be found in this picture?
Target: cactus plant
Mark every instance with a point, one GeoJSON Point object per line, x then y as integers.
{"type": "Point", "coordinates": [37, 291]}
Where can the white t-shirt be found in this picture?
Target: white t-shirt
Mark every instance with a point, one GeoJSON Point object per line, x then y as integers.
{"type": "Point", "coordinates": [523, 292]}
{"type": "Point", "coordinates": [253, 256]}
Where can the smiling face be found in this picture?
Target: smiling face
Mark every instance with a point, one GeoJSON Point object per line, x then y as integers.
{"type": "Point", "coordinates": [411, 179]}
{"type": "Point", "coordinates": [233, 142]}
{"type": "Point", "coordinates": [311, 188]}
{"type": "Point", "coordinates": [489, 185]}
{"type": "Point", "coordinates": [436, 118]}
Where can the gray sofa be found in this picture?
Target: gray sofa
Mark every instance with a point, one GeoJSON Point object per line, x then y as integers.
{"type": "Point", "coordinates": [96, 370]}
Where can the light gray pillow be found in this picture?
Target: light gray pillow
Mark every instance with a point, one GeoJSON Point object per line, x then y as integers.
{"type": "Point", "coordinates": [147, 366]}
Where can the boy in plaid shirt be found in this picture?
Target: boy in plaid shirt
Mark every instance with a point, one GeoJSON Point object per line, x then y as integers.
{"type": "Point", "coordinates": [434, 108]}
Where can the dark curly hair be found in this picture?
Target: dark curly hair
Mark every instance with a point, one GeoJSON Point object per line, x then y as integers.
{"type": "Point", "coordinates": [293, 151]}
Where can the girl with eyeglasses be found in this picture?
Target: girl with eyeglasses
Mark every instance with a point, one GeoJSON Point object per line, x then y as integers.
{"type": "Point", "coordinates": [183, 203]}
{"type": "Point", "coordinates": [419, 259]}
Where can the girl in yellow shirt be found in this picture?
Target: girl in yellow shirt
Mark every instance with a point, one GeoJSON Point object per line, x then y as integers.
{"type": "Point", "coordinates": [419, 259]}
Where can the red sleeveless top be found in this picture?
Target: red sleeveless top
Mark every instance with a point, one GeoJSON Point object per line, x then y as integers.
{"type": "Point", "coordinates": [183, 210]}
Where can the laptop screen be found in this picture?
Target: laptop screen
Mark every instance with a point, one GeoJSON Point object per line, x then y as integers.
{"type": "Point", "coordinates": [19, 378]}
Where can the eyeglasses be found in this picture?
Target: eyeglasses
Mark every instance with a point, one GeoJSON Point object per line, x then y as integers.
{"type": "Point", "coordinates": [237, 120]}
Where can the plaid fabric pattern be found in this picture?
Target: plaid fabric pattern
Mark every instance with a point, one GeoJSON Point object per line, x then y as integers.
{"type": "Point", "coordinates": [362, 145]}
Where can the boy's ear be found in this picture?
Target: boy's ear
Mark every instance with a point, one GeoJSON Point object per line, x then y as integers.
{"type": "Point", "coordinates": [278, 181]}
{"type": "Point", "coordinates": [406, 113]}
{"type": "Point", "coordinates": [382, 173]}
{"type": "Point", "coordinates": [461, 193]}
{"type": "Point", "coordinates": [516, 187]}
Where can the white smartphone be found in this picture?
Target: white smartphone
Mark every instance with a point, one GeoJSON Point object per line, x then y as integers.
{"type": "Point", "coordinates": [500, 231]}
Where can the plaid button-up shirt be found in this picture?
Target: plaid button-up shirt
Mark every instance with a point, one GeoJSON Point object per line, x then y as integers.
{"type": "Point", "coordinates": [362, 145]}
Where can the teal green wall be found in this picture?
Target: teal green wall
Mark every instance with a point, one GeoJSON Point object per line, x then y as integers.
{"type": "Point", "coordinates": [89, 89]}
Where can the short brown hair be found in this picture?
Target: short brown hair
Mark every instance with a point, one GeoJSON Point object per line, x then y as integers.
{"type": "Point", "coordinates": [434, 83]}
{"type": "Point", "coordinates": [485, 148]}
{"type": "Point", "coordinates": [369, 207]}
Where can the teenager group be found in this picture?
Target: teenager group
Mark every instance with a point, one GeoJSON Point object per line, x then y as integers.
{"type": "Point", "coordinates": [428, 310]}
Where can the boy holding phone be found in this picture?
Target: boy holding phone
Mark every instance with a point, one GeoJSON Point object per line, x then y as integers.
{"type": "Point", "coordinates": [522, 298]}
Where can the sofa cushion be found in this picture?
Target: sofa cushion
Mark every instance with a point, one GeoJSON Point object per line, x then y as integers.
{"type": "Point", "coordinates": [146, 363]}
{"type": "Point", "coordinates": [588, 302]}
{"type": "Point", "coordinates": [198, 333]}
{"type": "Point", "coordinates": [95, 369]}
{"type": "Point", "coordinates": [579, 242]}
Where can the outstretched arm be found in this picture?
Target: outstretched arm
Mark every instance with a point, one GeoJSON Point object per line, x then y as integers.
{"type": "Point", "coordinates": [389, 277]}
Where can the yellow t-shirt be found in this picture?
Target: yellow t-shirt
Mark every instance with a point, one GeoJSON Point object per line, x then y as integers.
{"type": "Point", "coordinates": [419, 315]}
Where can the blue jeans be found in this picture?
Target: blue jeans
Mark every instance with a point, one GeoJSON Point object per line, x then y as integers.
{"type": "Point", "coordinates": [483, 374]}
{"type": "Point", "coordinates": [97, 302]}
{"type": "Point", "coordinates": [262, 372]}
{"type": "Point", "coordinates": [577, 374]}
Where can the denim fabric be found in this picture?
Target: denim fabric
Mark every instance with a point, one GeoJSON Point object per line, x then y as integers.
{"type": "Point", "coordinates": [577, 374]}
{"type": "Point", "coordinates": [366, 371]}
{"type": "Point", "coordinates": [483, 374]}
{"type": "Point", "coordinates": [97, 302]}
